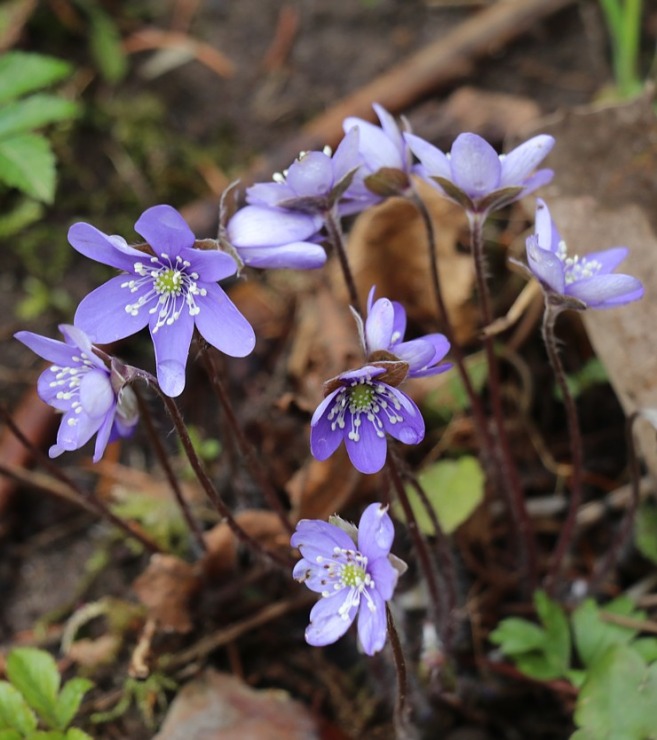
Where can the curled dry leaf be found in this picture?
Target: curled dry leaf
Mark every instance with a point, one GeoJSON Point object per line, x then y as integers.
{"type": "Point", "coordinates": [216, 705]}
{"type": "Point", "coordinates": [388, 248]}
{"type": "Point", "coordinates": [166, 588]}
{"type": "Point", "coordinates": [264, 526]}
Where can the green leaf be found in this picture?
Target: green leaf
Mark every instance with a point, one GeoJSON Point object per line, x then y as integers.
{"type": "Point", "coordinates": [105, 44]}
{"type": "Point", "coordinates": [591, 374]}
{"type": "Point", "coordinates": [25, 212]}
{"type": "Point", "coordinates": [516, 636]}
{"type": "Point", "coordinates": [75, 734]}
{"type": "Point", "coordinates": [646, 647]}
{"type": "Point", "coordinates": [14, 712]}
{"type": "Point", "coordinates": [645, 532]}
{"type": "Point", "coordinates": [557, 647]}
{"type": "Point", "coordinates": [27, 163]}
{"type": "Point", "coordinates": [594, 636]}
{"type": "Point", "coordinates": [34, 673]}
{"type": "Point", "coordinates": [69, 699]}
{"type": "Point", "coordinates": [450, 397]}
{"type": "Point", "coordinates": [22, 72]}
{"type": "Point", "coordinates": [10, 735]}
{"type": "Point", "coordinates": [618, 700]}
{"type": "Point", "coordinates": [454, 488]}
{"type": "Point", "coordinates": [34, 112]}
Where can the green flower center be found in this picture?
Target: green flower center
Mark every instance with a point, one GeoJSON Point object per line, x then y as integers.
{"type": "Point", "coordinates": [168, 282]}
{"type": "Point", "coordinates": [353, 575]}
{"type": "Point", "coordinates": [361, 397]}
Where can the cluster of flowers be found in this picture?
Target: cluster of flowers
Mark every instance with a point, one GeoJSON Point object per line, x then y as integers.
{"type": "Point", "coordinates": [170, 284]}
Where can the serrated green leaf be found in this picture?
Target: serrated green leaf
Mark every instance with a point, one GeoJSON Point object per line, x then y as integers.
{"type": "Point", "coordinates": [619, 698]}
{"type": "Point", "coordinates": [34, 673]}
{"type": "Point", "coordinates": [34, 112]}
{"type": "Point", "coordinates": [645, 531]}
{"type": "Point", "coordinates": [22, 72]}
{"type": "Point", "coordinates": [27, 163]}
{"type": "Point", "coordinates": [14, 712]}
{"type": "Point", "coordinates": [515, 636]}
{"type": "Point", "coordinates": [646, 647]}
{"type": "Point", "coordinates": [75, 734]}
{"type": "Point", "coordinates": [105, 45]}
{"type": "Point", "coordinates": [594, 636]}
{"type": "Point", "coordinates": [69, 699]}
{"type": "Point", "coordinates": [454, 488]}
{"type": "Point", "coordinates": [555, 622]}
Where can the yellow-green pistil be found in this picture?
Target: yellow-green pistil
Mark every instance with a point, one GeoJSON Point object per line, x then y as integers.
{"type": "Point", "coordinates": [353, 575]}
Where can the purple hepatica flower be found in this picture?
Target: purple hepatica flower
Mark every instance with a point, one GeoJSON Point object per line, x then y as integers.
{"type": "Point", "coordinates": [81, 387]}
{"type": "Point", "coordinates": [577, 282]}
{"type": "Point", "coordinates": [171, 288]}
{"type": "Point", "coordinates": [386, 159]}
{"type": "Point", "coordinates": [352, 570]}
{"type": "Point", "coordinates": [359, 409]}
{"type": "Point", "coordinates": [476, 177]}
{"type": "Point", "coordinates": [384, 331]}
{"type": "Point", "coordinates": [315, 182]}
{"type": "Point", "coordinates": [276, 238]}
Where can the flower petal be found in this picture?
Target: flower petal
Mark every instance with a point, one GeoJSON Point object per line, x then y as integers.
{"type": "Point", "coordinates": [165, 230]}
{"type": "Point", "coordinates": [434, 161]}
{"type": "Point", "coordinates": [292, 256]}
{"type": "Point", "coordinates": [102, 315]}
{"type": "Point", "coordinates": [312, 175]}
{"type": "Point", "coordinates": [372, 624]}
{"type": "Point", "coordinates": [606, 291]}
{"type": "Point", "coordinates": [608, 258]}
{"type": "Point", "coordinates": [324, 440]}
{"type": "Point", "coordinates": [545, 229]}
{"type": "Point", "coordinates": [379, 325]}
{"type": "Point", "coordinates": [410, 431]}
{"type": "Point", "coordinates": [475, 165]}
{"type": "Point", "coordinates": [52, 350]}
{"type": "Point", "coordinates": [171, 344]}
{"type": "Point", "coordinates": [257, 226]}
{"type": "Point", "coordinates": [210, 264]}
{"type": "Point", "coordinates": [376, 148]}
{"type": "Point", "coordinates": [545, 265]}
{"type": "Point", "coordinates": [96, 394]}
{"type": "Point", "coordinates": [75, 430]}
{"type": "Point", "coordinates": [269, 194]}
{"type": "Point", "coordinates": [376, 532]}
{"type": "Point", "coordinates": [221, 323]}
{"type": "Point", "coordinates": [519, 163]}
{"type": "Point", "coordinates": [315, 537]}
{"type": "Point", "coordinates": [326, 623]}
{"type": "Point", "coordinates": [384, 576]}
{"type": "Point", "coordinates": [417, 353]}
{"type": "Point", "coordinates": [368, 454]}
{"type": "Point", "coordinates": [103, 437]}
{"type": "Point", "coordinates": [347, 155]}
{"type": "Point", "coordinates": [399, 322]}
{"type": "Point", "coordinates": [110, 250]}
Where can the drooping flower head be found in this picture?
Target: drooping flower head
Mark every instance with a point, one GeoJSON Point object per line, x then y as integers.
{"type": "Point", "coordinates": [352, 570]}
{"type": "Point", "coordinates": [168, 285]}
{"type": "Point", "coordinates": [78, 384]}
{"type": "Point", "coordinates": [361, 409]}
{"type": "Point", "coordinates": [314, 182]}
{"type": "Point", "coordinates": [589, 280]}
{"type": "Point", "coordinates": [386, 159]}
{"type": "Point", "coordinates": [476, 177]}
{"type": "Point", "coordinates": [382, 338]}
{"type": "Point", "coordinates": [269, 237]}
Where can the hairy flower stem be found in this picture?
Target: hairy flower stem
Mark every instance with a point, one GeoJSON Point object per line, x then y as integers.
{"type": "Point", "coordinates": [575, 435]}
{"type": "Point", "coordinates": [402, 677]}
{"type": "Point", "coordinates": [202, 476]}
{"type": "Point", "coordinates": [486, 441]}
{"type": "Point", "coordinates": [509, 472]}
{"type": "Point", "coordinates": [447, 566]}
{"type": "Point", "coordinates": [419, 543]}
{"type": "Point", "coordinates": [625, 528]}
{"type": "Point", "coordinates": [248, 452]}
{"type": "Point", "coordinates": [336, 239]}
{"type": "Point", "coordinates": [147, 419]}
{"type": "Point", "coordinates": [89, 498]}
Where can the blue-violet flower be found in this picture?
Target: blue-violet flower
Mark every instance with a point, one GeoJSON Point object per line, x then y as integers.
{"type": "Point", "coordinates": [360, 409]}
{"type": "Point", "coordinates": [383, 334]}
{"type": "Point", "coordinates": [79, 385]}
{"type": "Point", "coordinates": [589, 280]}
{"type": "Point", "coordinates": [352, 570]}
{"type": "Point", "coordinates": [277, 238]}
{"type": "Point", "coordinates": [476, 177]}
{"type": "Point", "coordinates": [169, 286]}
{"type": "Point", "coordinates": [314, 182]}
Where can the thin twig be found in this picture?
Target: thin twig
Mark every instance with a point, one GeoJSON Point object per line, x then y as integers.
{"type": "Point", "coordinates": [336, 239]}
{"type": "Point", "coordinates": [400, 666]}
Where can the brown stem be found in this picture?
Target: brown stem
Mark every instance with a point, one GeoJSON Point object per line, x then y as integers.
{"type": "Point", "coordinates": [625, 529]}
{"type": "Point", "coordinates": [400, 666]}
{"type": "Point", "coordinates": [202, 476]}
{"type": "Point", "coordinates": [156, 442]}
{"type": "Point", "coordinates": [86, 498]}
{"type": "Point", "coordinates": [568, 529]}
{"type": "Point", "coordinates": [332, 223]}
{"type": "Point", "coordinates": [510, 477]}
{"type": "Point", "coordinates": [247, 450]}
